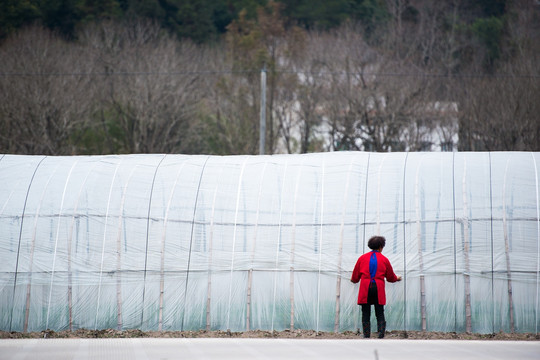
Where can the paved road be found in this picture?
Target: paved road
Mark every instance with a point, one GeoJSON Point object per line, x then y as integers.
{"type": "Point", "coordinates": [271, 349]}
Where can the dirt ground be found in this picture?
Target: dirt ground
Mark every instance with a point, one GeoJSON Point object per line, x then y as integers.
{"type": "Point", "coordinates": [295, 334]}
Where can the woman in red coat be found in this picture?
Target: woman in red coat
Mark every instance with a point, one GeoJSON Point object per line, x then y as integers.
{"type": "Point", "coordinates": [371, 269]}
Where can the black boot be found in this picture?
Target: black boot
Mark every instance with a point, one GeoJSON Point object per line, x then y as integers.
{"type": "Point", "coordinates": [366, 326]}
{"type": "Point", "coordinates": [381, 328]}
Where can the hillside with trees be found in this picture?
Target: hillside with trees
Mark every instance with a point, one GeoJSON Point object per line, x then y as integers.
{"type": "Point", "coordinates": [172, 76]}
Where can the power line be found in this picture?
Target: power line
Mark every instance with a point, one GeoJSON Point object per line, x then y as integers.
{"type": "Point", "coordinates": [297, 72]}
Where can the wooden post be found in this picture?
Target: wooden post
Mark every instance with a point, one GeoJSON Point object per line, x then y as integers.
{"type": "Point", "coordinates": [420, 253]}
{"type": "Point", "coordinates": [507, 253]}
{"type": "Point", "coordinates": [340, 250]}
{"type": "Point", "coordinates": [278, 242]}
{"type": "Point", "coordinates": [162, 260]}
{"type": "Point", "coordinates": [320, 248]}
{"type": "Point", "coordinates": [233, 249]}
{"type": "Point", "coordinates": [29, 285]}
{"type": "Point", "coordinates": [293, 244]}
{"type": "Point", "coordinates": [210, 243]}
{"type": "Point", "coordinates": [31, 260]}
{"type": "Point", "coordinates": [250, 273]}
{"type": "Point", "coordinates": [467, 276]}
{"type": "Point", "coordinates": [119, 322]}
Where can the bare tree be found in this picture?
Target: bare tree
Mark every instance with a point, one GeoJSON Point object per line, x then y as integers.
{"type": "Point", "coordinates": [150, 86]}
{"type": "Point", "coordinates": [500, 111]}
{"type": "Point", "coordinates": [302, 107]}
{"type": "Point", "coordinates": [45, 93]}
{"type": "Point", "coordinates": [373, 100]}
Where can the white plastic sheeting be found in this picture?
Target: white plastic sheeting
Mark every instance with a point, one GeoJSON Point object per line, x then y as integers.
{"type": "Point", "coordinates": [175, 242]}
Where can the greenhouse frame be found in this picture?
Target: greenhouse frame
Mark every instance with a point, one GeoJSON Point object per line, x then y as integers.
{"type": "Point", "coordinates": [194, 242]}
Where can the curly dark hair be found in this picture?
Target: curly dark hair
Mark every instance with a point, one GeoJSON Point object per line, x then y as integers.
{"type": "Point", "coordinates": [376, 242]}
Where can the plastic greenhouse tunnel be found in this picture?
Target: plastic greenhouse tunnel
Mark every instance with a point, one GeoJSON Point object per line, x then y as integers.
{"type": "Point", "coordinates": [177, 242]}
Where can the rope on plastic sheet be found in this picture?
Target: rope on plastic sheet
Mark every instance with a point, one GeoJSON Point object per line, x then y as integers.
{"type": "Point", "coordinates": [103, 243]}
{"type": "Point", "coordinates": [278, 242]}
{"type": "Point", "coordinates": [340, 251]}
{"type": "Point", "coordinates": [147, 235]}
{"type": "Point", "coordinates": [20, 238]}
{"type": "Point", "coordinates": [210, 248]}
{"type": "Point", "coordinates": [162, 249]}
{"type": "Point", "coordinates": [32, 250]}
{"type": "Point", "coordinates": [293, 245]}
{"type": "Point", "coordinates": [491, 235]}
{"type": "Point", "coordinates": [455, 260]}
{"type": "Point", "coordinates": [363, 230]}
{"type": "Point", "coordinates": [56, 243]}
{"type": "Point", "coordinates": [320, 246]}
{"type": "Point", "coordinates": [121, 220]}
{"type": "Point", "coordinates": [538, 235]}
{"type": "Point", "coordinates": [404, 250]}
{"type": "Point", "coordinates": [234, 240]}
{"type": "Point", "coordinates": [419, 235]}
{"type": "Point", "coordinates": [191, 237]}
{"type": "Point", "coordinates": [255, 232]}
{"type": "Point", "coordinates": [507, 251]}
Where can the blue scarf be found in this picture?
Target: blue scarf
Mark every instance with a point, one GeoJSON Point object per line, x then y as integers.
{"type": "Point", "coordinates": [373, 266]}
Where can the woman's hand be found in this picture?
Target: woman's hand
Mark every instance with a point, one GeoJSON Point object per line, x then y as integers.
{"type": "Point", "coordinates": [399, 278]}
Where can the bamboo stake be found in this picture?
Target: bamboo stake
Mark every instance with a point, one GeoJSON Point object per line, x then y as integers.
{"type": "Point", "coordinates": [31, 260]}
{"type": "Point", "coordinates": [238, 192]}
{"type": "Point", "coordinates": [162, 251]}
{"type": "Point", "coordinates": [357, 318]}
{"type": "Point", "coordinates": [507, 253]}
{"type": "Point", "coordinates": [419, 240]}
{"type": "Point", "coordinates": [209, 287]}
{"type": "Point", "coordinates": [250, 273]}
{"type": "Point", "coordinates": [29, 285]}
{"type": "Point", "coordinates": [340, 250]}
{"type": "Point", "coordinates": [103, 242]}
{"type": "Point", "coordinates": [69, 250]}
{"type": "Point", "coordinates": [56, 241]}
{"type": "Point", "coordinates": [467, 276]}
{"type": "Point", "coordinates": [293, 240]}
{"type": "Point", "coordinates": [538, 242]}
{"type": "Point", "coordinates": [320, 246]}
{"type": "Point", "coordinates": [210, 243]}
{"type": "Point", "coordinates": [119, 322]}
{"type": "Point", "coordinates": [70, 290]}
{"type": "Point", "coordinates": [278, 242]}
{"type": "Point", "coordinates": [196, 200]}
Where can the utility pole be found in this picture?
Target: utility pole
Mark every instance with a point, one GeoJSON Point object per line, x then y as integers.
{"type": "Point", "coordinates": [262, 127]}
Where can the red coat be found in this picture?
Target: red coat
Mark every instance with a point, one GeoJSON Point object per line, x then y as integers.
{"type": "Point", "coordinates": [361, 273]}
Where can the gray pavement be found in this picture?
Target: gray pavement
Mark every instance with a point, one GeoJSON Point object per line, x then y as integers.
{"type": "Point", "coordinates": [253, 349]}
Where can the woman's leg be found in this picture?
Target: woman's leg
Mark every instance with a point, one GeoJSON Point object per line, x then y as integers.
{"type": "Point", "coordinates": [366, 315]}
{"type": "Point", "coordinates": [366, 309]}
{"type": "Point", "coordinates": [379, 312]}
{"type": "Point", "coordinates": [381, 322]}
